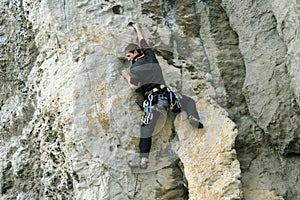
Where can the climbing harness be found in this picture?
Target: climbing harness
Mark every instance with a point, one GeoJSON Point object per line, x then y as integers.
{"type": "Point", "coordinates": [158, 99]}
{"type": "Point", "coordinates": [156, 89]}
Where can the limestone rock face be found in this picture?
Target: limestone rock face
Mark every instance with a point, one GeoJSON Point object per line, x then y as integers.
{"type": "Point", "coordinates": [208, 157]}
{"type": "Point", "coordinates": [269, 150]}
{"type": "Point", "coordinates": [69, 122]}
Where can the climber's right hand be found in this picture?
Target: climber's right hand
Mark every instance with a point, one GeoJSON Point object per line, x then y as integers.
{"type": "Point", "coordinates": [135, 25]}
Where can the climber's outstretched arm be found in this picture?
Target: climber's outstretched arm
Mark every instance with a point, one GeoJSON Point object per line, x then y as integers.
{"type": "Point", "coordinates": [138, 29]}
{"type": "Point", "coordinates": [140, 35]}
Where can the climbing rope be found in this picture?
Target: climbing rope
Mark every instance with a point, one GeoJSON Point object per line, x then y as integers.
{"type": "Point", "coordinates": [135, 186]}
{"type": "Point", "coordinates": [135, 191]}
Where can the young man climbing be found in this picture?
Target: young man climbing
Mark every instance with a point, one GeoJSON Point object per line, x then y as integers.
{"type": "Point", "coordinates": [146, 76]}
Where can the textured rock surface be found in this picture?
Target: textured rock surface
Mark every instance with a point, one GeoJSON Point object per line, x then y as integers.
{"type": "Point", "coordinates": [210, 165]}
{"type": "Point", "coordinates": [69, 123]}
{"type": "Point", "coordinates": [269, 150]}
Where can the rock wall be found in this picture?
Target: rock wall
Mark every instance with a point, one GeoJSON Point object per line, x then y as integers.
{"type": "Point", "coordinates": [69, 123]}
{"type": "Point", "coordinates": [269, 150]}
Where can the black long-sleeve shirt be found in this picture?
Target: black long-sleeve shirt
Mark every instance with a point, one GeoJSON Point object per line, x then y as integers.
{"type": "Point", "coordinates": [145, 70]}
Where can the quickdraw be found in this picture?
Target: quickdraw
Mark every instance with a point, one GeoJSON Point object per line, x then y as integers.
{"type": "Point", "coordinates": [147, 104]}
{"type": "Point", "coordinates": [171, 99]}
{"type": "Point", "coordinates": [177, 96]}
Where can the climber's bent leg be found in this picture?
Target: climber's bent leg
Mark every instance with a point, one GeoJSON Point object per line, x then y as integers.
{"type": "Point", "coordinates": [189, 106]}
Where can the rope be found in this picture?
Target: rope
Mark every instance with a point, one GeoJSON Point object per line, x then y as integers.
{"type": "Point", "coordinates": [136, 184]}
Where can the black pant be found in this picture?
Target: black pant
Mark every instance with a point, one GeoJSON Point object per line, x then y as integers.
{"type": "Point", "coordinates": [187, 104]}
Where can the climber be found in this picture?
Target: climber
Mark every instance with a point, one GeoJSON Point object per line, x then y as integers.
{"type": "Point", "coordinates": [146, 76]}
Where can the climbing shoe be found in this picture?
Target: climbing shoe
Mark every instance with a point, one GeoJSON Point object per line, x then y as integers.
{"type": "Point", "coordinates": [141, 164]}
{"type": "Point", "coordinates": [195, 122]}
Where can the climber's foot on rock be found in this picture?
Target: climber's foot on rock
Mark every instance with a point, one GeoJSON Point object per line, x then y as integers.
{"type": "Point", "coordinates": [195, 122]}
{"type": "Point", "coordinates": [141, 164]}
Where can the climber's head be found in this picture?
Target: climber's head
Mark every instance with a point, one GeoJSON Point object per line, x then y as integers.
{"type": "Point", "coordinates": [131, 51]}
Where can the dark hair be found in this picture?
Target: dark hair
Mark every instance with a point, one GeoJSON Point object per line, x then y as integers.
{"type": "Point", "coordinates": [131, 47]}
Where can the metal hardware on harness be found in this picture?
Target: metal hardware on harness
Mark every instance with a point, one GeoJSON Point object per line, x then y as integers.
{"type": "Point", "coordinates": [177, 97]}
{"type": "Point", "coordinates": [148, 110]}
{"type": "Point", "coordinates": [171, 100]}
